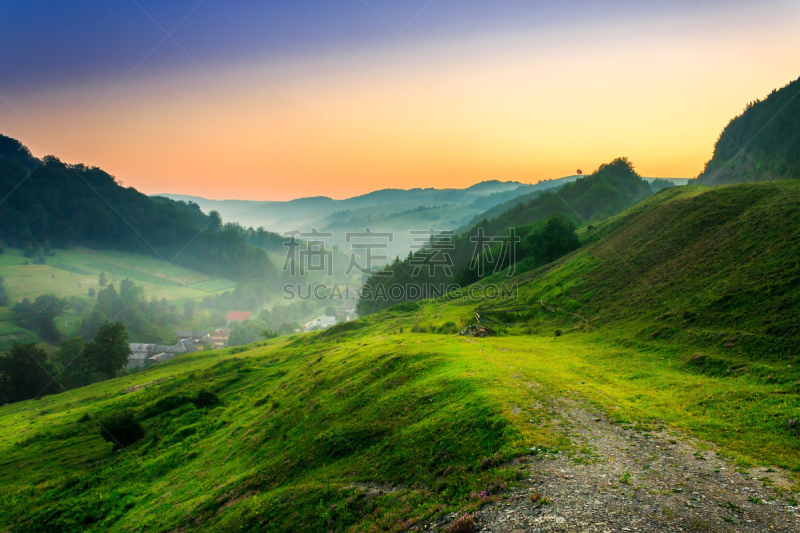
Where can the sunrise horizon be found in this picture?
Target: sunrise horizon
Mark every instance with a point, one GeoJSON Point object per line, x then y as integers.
{"type": "Point", "coordinates": [276, 103]}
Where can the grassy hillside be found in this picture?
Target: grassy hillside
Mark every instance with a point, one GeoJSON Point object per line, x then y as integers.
{"type": "Point", "coordinates": [72, 272]}
{"type": "Point", "coordinates": [677, 313]}
{"type": "Point", "coordinates": [763, 143]}
{"type": "Point", "coordinates": [718, 264]}
{"type": "Point", "coordinates": [610, 189]}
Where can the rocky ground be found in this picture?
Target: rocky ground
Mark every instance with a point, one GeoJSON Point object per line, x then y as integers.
{"type": "Point", "coordinates": [628, 480]}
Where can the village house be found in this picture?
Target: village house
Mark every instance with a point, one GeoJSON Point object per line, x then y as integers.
{"type": "Point", "coordinates": [139, 353]}
{"type": "Point", "coordinates": [237, 316]}
{"type": "Point", "coordinates": [322, 322]}
{"type": "Point", "coordinates": [347, 311]}
{"type": "Point", "coordinates": [145, 354]}
{"type": "Point", "coordinates": [197, 338]}
{"type": "Point", "coordinates": [219, 338]}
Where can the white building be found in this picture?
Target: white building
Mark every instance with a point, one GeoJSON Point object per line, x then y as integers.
{"type": "Point", "coordinates": [145, 354]}
{"type": "Point", "coordinates": [322, 322]}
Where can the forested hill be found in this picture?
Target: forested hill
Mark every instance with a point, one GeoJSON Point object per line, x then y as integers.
{"type": "Point", "coordinates": [610, 189]}
{"type": "Point", "coordinates": [763, 143]}
{"type": "Point", "coordinates": [16, 151]}
{"type": "Point", "coordinates": [51, 202]}
{"type": "Point", "coordinates": [493, 211]}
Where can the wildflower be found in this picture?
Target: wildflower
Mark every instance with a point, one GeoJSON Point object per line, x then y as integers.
{"type": "Point", "coordinates": [463, 524]}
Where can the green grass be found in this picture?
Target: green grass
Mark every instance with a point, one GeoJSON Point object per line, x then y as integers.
{"type": "Point", "coordinates": [117, 271]}
{"type": "Point", "coordinates": [72, 272]}
{"type": "Point", "coordinates": [303, 419]}
{"type": "Point", "coordinates": [214, 285]}
{"type": "Point", "coordinates": [11, 333]}
{"type": "Point", "coordinates": [295, 424]}
{"type": "Point", "coordinates": [72, 269]}
{"type": "Point", "coordinates": [363, 427]}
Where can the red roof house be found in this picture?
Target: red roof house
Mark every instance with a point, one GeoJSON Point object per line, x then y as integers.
{"type": "Point", "coordinates": [238, 316]}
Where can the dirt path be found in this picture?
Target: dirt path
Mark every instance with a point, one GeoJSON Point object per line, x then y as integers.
{"type": "Point", "coordinates": [633, 481]}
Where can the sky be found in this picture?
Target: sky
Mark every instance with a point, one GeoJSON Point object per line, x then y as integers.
{"type": "Point", "coordinates": [279, 100]}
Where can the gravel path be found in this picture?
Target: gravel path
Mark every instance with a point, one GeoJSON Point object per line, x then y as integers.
{"type": "Point", "coordinates": [636, 481]}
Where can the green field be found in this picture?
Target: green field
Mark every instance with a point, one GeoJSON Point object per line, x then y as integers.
{"type": "Point", "coordinates": [392, 421]}
{"type": "Point", "coordinates": [305, 422]}
{"type": "Point", "coordinates": [72, 272]}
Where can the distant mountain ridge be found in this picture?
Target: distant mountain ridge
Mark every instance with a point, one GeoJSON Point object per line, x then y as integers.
{"type": "Point", "coordinates": [761, 144]}
{"type": "Point", "coordinates": [306, 212]}
{"type": "Point", "coordinates": [386, 210]}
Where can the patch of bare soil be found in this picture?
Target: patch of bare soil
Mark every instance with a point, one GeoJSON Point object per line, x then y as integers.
{"type": "Point", "coordinates": [626, 480]}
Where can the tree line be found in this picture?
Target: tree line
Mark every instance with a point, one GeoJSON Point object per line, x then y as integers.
{"type": "Point", "coordinates": [125, 303]}
{"type": "Point", "coordinates": [26, 371]}
{"type": "Point", "coordinates": [544, 226]}
{"type": "Point", "coordinates": [62, 205]}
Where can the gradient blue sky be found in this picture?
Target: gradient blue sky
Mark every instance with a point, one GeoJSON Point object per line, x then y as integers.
{"type": "Point", "coordinates": [563, 84]}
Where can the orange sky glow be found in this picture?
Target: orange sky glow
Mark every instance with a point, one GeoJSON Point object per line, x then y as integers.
{"type": "Point", "coordinates": [451, 112]}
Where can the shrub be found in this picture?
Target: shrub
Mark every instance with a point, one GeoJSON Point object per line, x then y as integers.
{"type": "Point", "coordinates": [166, 404]}
{"type": "Point", "coordinates": [121, 429]}
{"type": "Point", "coordinates": [205, 399]}
{"type": "Point", "coordinates": [463, 524]}
{"type": "Point", "coordinates": [448, 328]}
{"type": "Point", "coordinates": [405, 307]}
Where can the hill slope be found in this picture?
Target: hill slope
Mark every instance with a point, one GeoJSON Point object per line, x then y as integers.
{"type": "Point", "coordinates": [64, 205]}
{"type": "Point", "coordinates": [717, 263]}
{"type": "Point", "coordinates": [763, 143]}
{"type": "Point", "coordinates": [677, 315]}
{"type": "Point", "coordinates": [610, 189]}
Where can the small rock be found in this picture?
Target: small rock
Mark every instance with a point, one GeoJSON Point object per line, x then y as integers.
{"type": "Point", "coordinates": [478, 331]}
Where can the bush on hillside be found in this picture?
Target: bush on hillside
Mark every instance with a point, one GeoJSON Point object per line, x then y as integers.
{"type": "Point", "coordinates": [121, 429]}
{"type": "Point", "coordinates": [205, 398]}
{"type": "Point", "coordinates": [554, 240]}
{"type": "Point", "coordinates": [448, 328]}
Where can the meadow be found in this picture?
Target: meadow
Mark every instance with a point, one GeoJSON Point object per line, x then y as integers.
{"type": "Point", "coordinates": [676, 314]}
{"type": "Point", "coordinates": [74, 271]}
{"type": "Point", "coordinates": [307, 427]}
